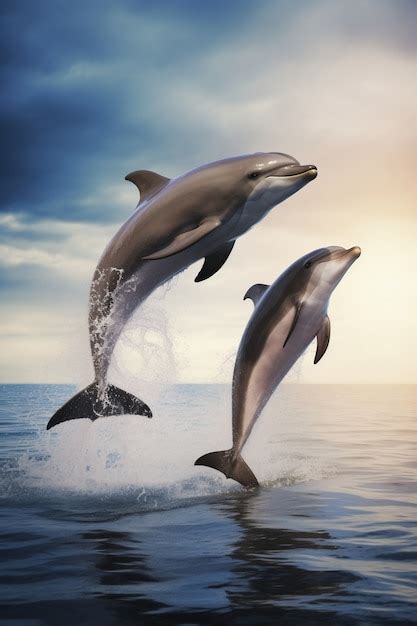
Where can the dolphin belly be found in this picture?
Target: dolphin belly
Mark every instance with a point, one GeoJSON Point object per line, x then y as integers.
{"type": "Point", "coordinates": [266, 373]}
{"type": "Point", "coordinates": [273, 364]}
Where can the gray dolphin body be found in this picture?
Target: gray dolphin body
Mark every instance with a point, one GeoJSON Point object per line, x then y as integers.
{"type": "Point", "coordinates": [287, 316]}
{"type": "Point", "coordinates": [177, 222]}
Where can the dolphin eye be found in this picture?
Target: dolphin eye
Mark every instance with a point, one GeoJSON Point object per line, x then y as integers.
{"type": "Point", "coordinates": [253, 175]}
{"type": "Point", "coordinates": [307, 264]}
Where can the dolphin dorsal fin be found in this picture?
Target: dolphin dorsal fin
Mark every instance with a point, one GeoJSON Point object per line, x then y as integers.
{"type": "Point", "coordinates": [147, 182]}
{"type": "Point", "coordinates": [256, 292]}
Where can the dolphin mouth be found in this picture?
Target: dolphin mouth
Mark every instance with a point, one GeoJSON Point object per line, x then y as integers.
{"type": "Point", "coordinates": [294, 169]}
{"type": "Point", "coordinates": [354, 252]}
{"type": "Point", "coordinates": [340, 253]}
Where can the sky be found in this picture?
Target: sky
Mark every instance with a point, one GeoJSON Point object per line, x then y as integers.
{"type": "Point", "coordinates": [95, 89]}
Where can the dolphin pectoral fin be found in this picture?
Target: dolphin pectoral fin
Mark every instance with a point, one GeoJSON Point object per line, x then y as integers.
{"type": "Point", "coordinates": [214, 261]}
{"type": "Point", "coordinates": [237, 470]}
{"type": "Point", "coordinates": [298, 308]}
{"type": "Point", "coordinates": [256, 292]}
{"type": "Point", "coordinates": [90, 403]}
{"type": "Point", "coordinates": [323, 338]}
{"type": "Point", "coordinates": [185, 240]}
{"type": "Point", "coordinates": [147, 182]}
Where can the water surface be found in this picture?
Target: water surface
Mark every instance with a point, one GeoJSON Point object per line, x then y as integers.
{"type": "Point", "coordinates": [110, 523]}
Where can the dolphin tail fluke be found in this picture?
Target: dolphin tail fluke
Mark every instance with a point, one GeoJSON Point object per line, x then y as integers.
{"type": "Point", "coordinates": [92, 403]}
{"type": "Point", "coordinates": [236, 469]}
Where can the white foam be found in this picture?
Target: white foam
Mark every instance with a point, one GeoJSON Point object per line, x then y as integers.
{"type": "Point", "coordinates": [149, 463]}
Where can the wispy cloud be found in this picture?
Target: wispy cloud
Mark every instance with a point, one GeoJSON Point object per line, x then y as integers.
{"type": "Point", "coordinates": [69, 248]}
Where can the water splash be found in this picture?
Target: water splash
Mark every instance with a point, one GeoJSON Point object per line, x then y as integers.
{"type": "Point", "coordinates": [126, 464]}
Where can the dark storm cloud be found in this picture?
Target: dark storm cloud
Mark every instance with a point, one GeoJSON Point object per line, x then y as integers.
{"type": "Point", "coordinates": [61, 133]}
{"type": "Point", "coordinates": [77, 108]}
{"type": "Point", "coordinates": [89, 87]}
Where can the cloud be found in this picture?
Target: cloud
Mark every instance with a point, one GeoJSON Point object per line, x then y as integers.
{"type": "Point", "coordinates": [10, 222]}
{"type": "Point", "coordinates": [10, 256]}
{"type": "Point", "coordinates": [67, 248]}
{"type": "Point", "coordinates": [132, 85]}
{"type": "Point", "coordinates": [78, 112]}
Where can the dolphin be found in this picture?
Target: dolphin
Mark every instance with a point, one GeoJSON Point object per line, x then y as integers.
{"type": "Point", "coordinates": [176, 222]}
{"type": "Point", "coordinates": [287, 316]}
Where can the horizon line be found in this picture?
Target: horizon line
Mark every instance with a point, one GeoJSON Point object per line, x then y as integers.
{"type": "Point", "coordinates": [356, 384]}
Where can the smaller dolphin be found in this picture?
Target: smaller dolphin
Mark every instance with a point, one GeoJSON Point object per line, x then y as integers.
{"type": "Point", "coordinates": [288, 315]}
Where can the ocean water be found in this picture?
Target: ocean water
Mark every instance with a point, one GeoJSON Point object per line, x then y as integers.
{"type": "Point", "coordinates": [110, 522]}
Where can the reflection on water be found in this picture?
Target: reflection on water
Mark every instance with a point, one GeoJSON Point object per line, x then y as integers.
{"type": "Point", "coordinates": [337, 547]}
{"type": "Point", "coordinates": [239, 570]}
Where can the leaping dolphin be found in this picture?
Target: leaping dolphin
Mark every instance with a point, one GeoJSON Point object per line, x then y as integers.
{"type": "Point", "coordinates": [177, 222]}
{"type": "Point", "coordinates": [288, 315]}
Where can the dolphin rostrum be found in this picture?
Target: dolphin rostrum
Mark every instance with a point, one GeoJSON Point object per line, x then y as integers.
{"type": "Point", "coordinates": [177, 222]}
{"type": "Point", "coordinates": [288, 315]}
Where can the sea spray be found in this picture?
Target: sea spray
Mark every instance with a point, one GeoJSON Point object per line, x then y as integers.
{"type": "Point", "coordinates": [130, 463]}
